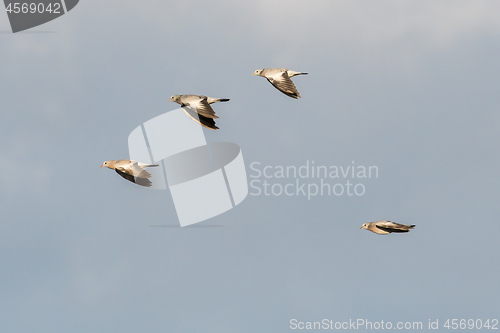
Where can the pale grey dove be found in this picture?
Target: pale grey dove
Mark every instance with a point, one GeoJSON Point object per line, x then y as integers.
{"type": "Point", "coordinates": [131, 170]}
{"type": "Point", "coordinates": [280, 79]}
{"type": "Point", "coordinates": [386, 227]}
{"type": "Point", "coordinates": [201, 105]}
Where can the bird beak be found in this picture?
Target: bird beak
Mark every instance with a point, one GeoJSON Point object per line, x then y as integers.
{"type": "Point", "coordinates": [361, 228]}
{"type": "Point", "coordinates": [102, 165]}
{"type": "Point", "coordinates": [253, 74]}
{"type": "Point", "coordinates": [170, 100]}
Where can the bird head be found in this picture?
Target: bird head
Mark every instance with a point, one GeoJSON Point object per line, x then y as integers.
{"type": "Point", "coordinates": [365, 226]}
{"type": "Point", "coordinates": [175, 98]}
{"type": "Point", "coordinates": [258, 72]}
{"type": "Point", "coordinates": [106, 164]}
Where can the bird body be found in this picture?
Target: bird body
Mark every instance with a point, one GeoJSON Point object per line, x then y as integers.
{"type": "Point", "coordinates": [131, 170]}
{"type": "Point", "coordinates": [201, 105]}
{"type": "Point", "coordinates": [386, 227]}
{"type": "Point", "coordinates": [280, 79]}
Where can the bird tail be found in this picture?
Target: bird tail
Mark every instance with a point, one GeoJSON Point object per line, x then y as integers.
{"type": "Point", "coordinates": [144, 165]}
{"type": "Point", "coordinates": [411, 226]}
{"type": "Point", "coordinates": [211, 100]}
{"type": "Point", "coordinates": [293, 73]}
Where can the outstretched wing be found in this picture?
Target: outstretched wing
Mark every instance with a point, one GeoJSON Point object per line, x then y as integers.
{"type": "Point", "coordinates": [200, 119]}
{"type": "Point", "coordinates": [200, 103]}
{"type": "Point", "coordinates": [135, 170]}
{"type": "Point", "coordinates": [137, 180]}
{"type": "Point", "coordinates": [393, 226]}
{"type": "Point", "coordinates": [391, 229]}
{"type": "Point", "coordinates": [283, 83]}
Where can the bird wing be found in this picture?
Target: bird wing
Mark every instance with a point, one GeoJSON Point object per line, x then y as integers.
{"type": "Point", "coordinates": [390, 229]}
{"type": "Point", "coordinates": [134, 170]}
{"type": "Point", "coordinates": [200, 119]}
{"type": "Point", "coordinates": [200, 103]}
{"type": "Point", "coordinates": [139, 181]}
{"type": "Point", "coordinates": [283, 83]}
{"type": "Point", "coordinates": [392, 226]}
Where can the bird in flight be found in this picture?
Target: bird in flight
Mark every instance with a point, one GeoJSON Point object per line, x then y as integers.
{"type": "Point", "coordinates": [198, 108]}
{"type": "Point", "coordinates": [386, 227]}
{"type": "Point", "coordinates": [280, 79]}
{"type": "Point", "coordinates": [131, 170]}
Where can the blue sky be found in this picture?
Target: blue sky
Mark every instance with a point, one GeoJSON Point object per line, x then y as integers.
{"type": "Point", "coordinates": [408, 86]}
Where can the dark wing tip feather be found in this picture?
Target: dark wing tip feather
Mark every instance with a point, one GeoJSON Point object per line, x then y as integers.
{"type": "Point", "coordinates": [292, 95]}
{"type": "Point", "coordinates": [202, 120]}
{"type": "Point", "coordinates": [139, 181]}
{"type": "Point", "coordinates": [207, 122]}
{"type": "Point", "coordinates": [391, 229]}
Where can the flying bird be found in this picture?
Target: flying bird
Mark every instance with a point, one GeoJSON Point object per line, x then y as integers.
{"type": "Point", "coordinates": [280, 79]}
{"type": "Point", "coordinates": [131, 170]}
{"type": "Point", "coordinates": [198, 108]}
{"type": "Point", "coordinates": [386, 227]}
